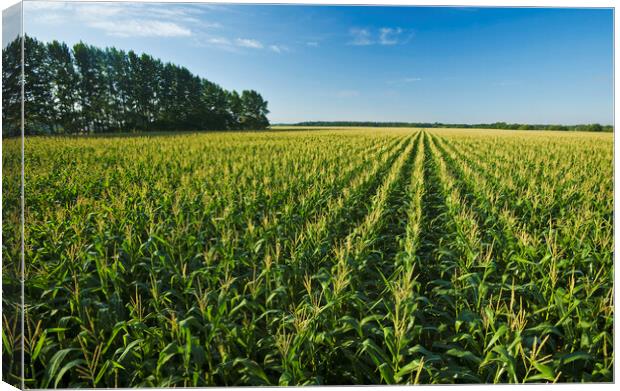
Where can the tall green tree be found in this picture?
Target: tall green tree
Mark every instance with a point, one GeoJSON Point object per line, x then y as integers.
{"type": "Point", "coordinates": [85, 89]}
{"type": "Point", "coordinates": [235, 107]}
{"type": "Point", "coordinates": [168, 105]}
{"type": "Point", "coordinates": [11, 88]}
{"type": "Point", "coordinates": [116, 84]}
{"type": "Point", "coordinates": [64, 78]}
{"type": "Point", "coordinates": [145, 71]}
{"type": "Point", "coordinates": [38, 97]}
{"type": "Point", "coordinates": [91, 87]}
{"type": "Point", "coordinates": [216, 103]}
{"type": "Point", "coordinates": [254, 110]}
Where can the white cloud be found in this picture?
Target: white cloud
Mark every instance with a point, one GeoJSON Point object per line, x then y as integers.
{"type": "Point", "coordinates": [389, 36]}
{"type": "Point", "coordinates": [142, 28]}
{"type": "Point", "coordinates": [184, 14]}
{"type": "Point", "coordinates": [123, 19]}
{"type": "Point", "coordinates": [219, 41]}
{"type": "Point", "coordinates": [360, 37]}
{"type": "Point", "coordinates": [313, 44]}
{"type": "Point", "coordinates": [278, 48]}
{"type": "Point", "coordinates": [50, 18]}
{"type": "Point", "coordinates": [144, 20]}
{"type": "Point", "coordinates": [237, 45]}
{"type": "Point", "coordinates": [249, 43]}
{"type": "Point", "coordinates": [100, 11]}
{"type": "Point", "coordinates": [45, 5]}
{"type": "Point", "coordinates": [384, 36]}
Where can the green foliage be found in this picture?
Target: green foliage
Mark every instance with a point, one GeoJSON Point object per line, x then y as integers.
{"type": "Point", "coordinates": [85, 89]}
{"type": "Point", "coordinates": [11, 88]}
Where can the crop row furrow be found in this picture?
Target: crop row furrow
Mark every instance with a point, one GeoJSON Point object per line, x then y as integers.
{"type": "Point", "coordinates": [389, 318]}
{"type": "Point", "coordinates": [366, 255]}
{"type": "Point", "coordinates": [511, 252]}
{"type": "Point", "coordinates": [284, 272]}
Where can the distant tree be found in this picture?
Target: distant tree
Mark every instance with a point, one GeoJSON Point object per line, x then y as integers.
{"type": "Point", "coordinates": [596, 128]}
{"type": "Point", "coordinates": [38, 98]}
{"type": "Point", "coordinates": [90, 85]}
{"type": "Point", "coordinates": [197, 113]}
{"type": "Point", "coordinates": [183, 98]}
{"type": "Point", "coordinates": [168, 105]}
{"type": "Point", "coordinates": [235, 106]}
{"type": "Point", "coordinates": [496, 125]}
{"type": "Point", "coordinates": [11, 88]}
{"type": "Point", "coordinates": [118, 88]}
{"type": "Point", "coordinates": [215, 100]}
{"type": "Point", "coordinates": [147, 82]}
{"type": "Point", "coordinates": [137, 118]}
{"type": "Point", "coordinates": [64, 78]}
{"type": "Point", "coordinates": [254, 110]}
{"type": "Point", "coordinates": [86, 89]}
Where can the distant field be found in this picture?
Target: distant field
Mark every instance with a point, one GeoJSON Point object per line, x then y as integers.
{"type": "Point", "coordinates": [346, 256]}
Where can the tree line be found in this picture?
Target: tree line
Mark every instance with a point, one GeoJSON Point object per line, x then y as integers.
{"type": "Point", "coordinates": [495, 125]}
{"type": "Point", "coordinates": [85, 89]}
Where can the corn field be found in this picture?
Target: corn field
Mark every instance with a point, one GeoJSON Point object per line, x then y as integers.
{"type": "Point", "coordinates": [358, 256]}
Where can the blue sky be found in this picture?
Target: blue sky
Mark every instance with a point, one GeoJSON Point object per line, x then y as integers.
{"type": "Point", "coordinates": [464, 65]}
{"type": "Point", "coordinates": [11, 23]}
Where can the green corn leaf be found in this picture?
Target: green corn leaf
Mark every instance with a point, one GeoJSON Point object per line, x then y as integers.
{"type": "Point", "coordinates": [66, 368]}
{"type": "Point", "coordinates": [54, 364]}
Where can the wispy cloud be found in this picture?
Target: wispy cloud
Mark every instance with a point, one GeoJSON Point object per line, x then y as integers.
{"type": "Point", "coordinates": [50, 18]}
{"type": "Point", "coordinates": [278, 48]}
{"type": "Point", "coordinates": [386, 36]}
{"type": "Point", "coordinates": [147, 20]}
{"type": "Point", "coordinates": [46, 5]}
{"type": "Point", "coordinates": [238, 44]}
{"type": "Point", "coordinates": [219, 41]}
{"type": "Point", "coordinates": [360, 37]}
{"type": "Point", "coordinates": [123, 19]}
{"type": "Point", "coordinates": [312, 44]}
{"type": "Point", "coordinates": [142, 28]}
{"type": "Point", "coordinates": [389, 36]}
{"type": "Point", "coordinates": [248, 43]}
